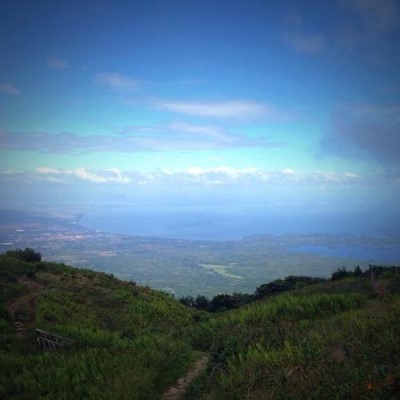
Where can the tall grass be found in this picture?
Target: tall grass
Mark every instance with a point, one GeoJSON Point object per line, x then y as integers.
{"type": "Point", "coordinates": [316, 346]}
{"type": "Point", "coordinates": [127, 340]}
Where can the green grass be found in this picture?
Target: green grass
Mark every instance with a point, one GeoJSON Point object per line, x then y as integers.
{"type": "Point", "coordinates": [334, 340]}
{"type": "Point", "coordinates": [220, 270]}
{"type": "Point", "coordinates": [325, 342]}
{"type": "Point", "coordinates": [128, 341]}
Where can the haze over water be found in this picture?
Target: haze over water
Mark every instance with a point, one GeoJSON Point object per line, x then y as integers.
{"type": "Point", "coordinates": [225, 223]}
{"type": "Point", "coordinates": [293, 107]}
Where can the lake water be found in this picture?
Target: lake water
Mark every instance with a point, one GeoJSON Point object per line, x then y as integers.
{"type": "Point", "coordinates": [192, 223]}
{"type": "Point", "coordinates": [227, 223]}
{"type": "Point", "coordinates": [200, 223]}
{"type": "Point", "coordinates": [387, 254]}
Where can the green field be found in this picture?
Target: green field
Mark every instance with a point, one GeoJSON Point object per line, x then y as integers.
{"type": "Point", "coordinates": [221, 270]}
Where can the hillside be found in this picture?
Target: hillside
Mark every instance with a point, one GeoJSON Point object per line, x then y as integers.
{"type": "Point", "coordinates": [337, 339]}
{"type": "Point", "coordinates": [128, 341]}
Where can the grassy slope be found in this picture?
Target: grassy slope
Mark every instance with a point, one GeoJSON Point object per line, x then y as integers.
{"type": "Point", "coordinates": [129, 341]}
{"type": "Point", "coordinates": [337, 340]}
{"type": "Point", "coordinates": [331, 341]}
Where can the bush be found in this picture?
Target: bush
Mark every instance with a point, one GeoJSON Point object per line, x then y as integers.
{"type": "Point", "coordinates": [281, 285]}
{"type": "Point", "coordinates": [28, 255]}
{"type": "Point", "coordinates": [340, 273]}
{"type": "Point", "coordinates": [187, 301]}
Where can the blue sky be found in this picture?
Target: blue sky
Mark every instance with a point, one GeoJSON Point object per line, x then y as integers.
{"type": "Point", "coordinates": [299, 99]}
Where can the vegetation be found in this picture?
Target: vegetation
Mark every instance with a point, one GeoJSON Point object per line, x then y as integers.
{"type": "Point", "coordinates": [295, 338]}
{"type": "Point", "coordinates": [185, 267]}
{"type": "Point", "coordinates": [28, 255]}
{"type": "Point", "coordinates": [334, 340]}
{"type": "Point", "coordinates": [127, 340]}
{"type": "Point", "coordinates": [224, 302]}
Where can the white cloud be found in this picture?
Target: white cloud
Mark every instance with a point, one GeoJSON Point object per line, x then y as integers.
{"type": "Point", "coordinates": [217, 109]}
{"type": "Point", "coordinates": [306, 43]}
{"type": "Point", "coordinates": [319, 177]}
{"type": "Point", "coordinates": [333, 177]}
{"type": "Point", "coordinates": [57, 63]}
{"type": "Point", "coordinates": [206, 130]}
{"type": "Point", "coordinates": [112, 175]}
{"type": "Point", "coordinates": [209, 133]}
{"type": "Point", "coordinates": [47, 170]}
{"type": "Point", "coordinates": [288, 171]}
{"type": "Point", "coordinates": [116, 81]}
{"type": "Point", "coordinates": [194, 175]}
{"type": "Point", "coordinates": [8, 88]}
{"type": "Point", "coordinates": [220, 175]}
{"type": "Point", "coordinates": [225, 175]}
{"type": "Point", "coordinates": [173, 137]}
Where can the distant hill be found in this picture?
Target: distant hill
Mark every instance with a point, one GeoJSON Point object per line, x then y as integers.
{"type": "Point", "coordinates": [102, 338]}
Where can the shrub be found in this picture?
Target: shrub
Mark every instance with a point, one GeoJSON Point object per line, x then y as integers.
{"type": "Point", "coordinates": [28, 255]}
{"type": "Point", "coordinates": [340, 273]}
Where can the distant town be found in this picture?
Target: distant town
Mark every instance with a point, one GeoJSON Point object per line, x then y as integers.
{"type": "Point", "coordinates": [183, 267]}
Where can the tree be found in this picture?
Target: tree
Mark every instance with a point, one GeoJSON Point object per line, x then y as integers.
{"type": "Point", "coordinates": [187, 301]}
{"type": "Point", "coordinates": [222, 302]}
{"type": "Point", "coordinates": [201, 302]}
{"type": "Point", "coordinates": [340, 273]}
{"type": "Point", "coordinates": [28, 255]}
{"type": "Point", "coordinates": [274, 287]}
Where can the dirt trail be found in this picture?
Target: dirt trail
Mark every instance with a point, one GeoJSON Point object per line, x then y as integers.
{"type": "Point", "coordinates": [29, 298]}
{"type": "Point", "coordinates": [178, 390]}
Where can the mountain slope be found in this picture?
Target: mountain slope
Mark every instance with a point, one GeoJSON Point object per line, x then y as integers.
{"type": "Point", "coordinates": [333, 340]}
{"type": "Point", "coordinates": [337, 340]}
{"type": "Point", "coordinates": [128, 341]}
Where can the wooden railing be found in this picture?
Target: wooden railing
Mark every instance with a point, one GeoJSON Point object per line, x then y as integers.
{"type": "Point", "coordinates": [47, 340]}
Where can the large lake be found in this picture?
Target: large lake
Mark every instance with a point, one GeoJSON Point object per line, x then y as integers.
{"type": "Point", "coordinates": [194, 223]}
{"type": "Point", "coordinates": [200, 223]}
{"type": "Point", "coordinates": [228, 223]}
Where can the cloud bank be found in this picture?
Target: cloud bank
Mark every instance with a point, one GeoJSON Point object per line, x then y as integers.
{"type": "Point", "coordinates": [365, 131]}
{"type": "Point", "coordinates": [172, 137]}
{"type": "Point", "coordinates": [218, 109]}
{"type": "Point", "coordinates": [56, 175]}
{"type": "Point", "coordinates": [218, 176]}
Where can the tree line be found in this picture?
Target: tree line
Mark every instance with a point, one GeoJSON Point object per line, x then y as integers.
{"type": "Point", "coordinates": [223, 302]}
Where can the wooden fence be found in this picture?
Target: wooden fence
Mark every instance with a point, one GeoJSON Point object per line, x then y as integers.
{"type": "Point", "coordinates": [47, 340]}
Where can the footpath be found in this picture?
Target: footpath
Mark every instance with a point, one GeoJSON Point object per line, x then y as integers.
{"type": "Point", "coordinates": [178, 390]}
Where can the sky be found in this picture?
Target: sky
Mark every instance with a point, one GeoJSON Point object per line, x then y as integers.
{"type": "Point", "coordinates": [295, 103]}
